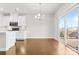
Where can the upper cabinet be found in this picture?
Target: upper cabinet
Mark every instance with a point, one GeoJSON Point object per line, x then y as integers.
{"type": "Point", "coordinates": [21, 21]}
{"type": "Point", "coordinates": [5, 20]}
{"type": "Point", "coordinates": [13, 18]}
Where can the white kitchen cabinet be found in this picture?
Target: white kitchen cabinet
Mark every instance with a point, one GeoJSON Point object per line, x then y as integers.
{"type": "Point", "coordinates": [4, 21]}
{"type": "Point", "coordinates": [13, 18]}
{"type": "Point", "coordinates": [21, 21]}
{"type": "Point", "coordinates": [21, 35]}
{"type": "Point", "coordinates": [7, 40]}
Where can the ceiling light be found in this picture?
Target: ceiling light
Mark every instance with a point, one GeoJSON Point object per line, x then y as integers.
{"type": "Point", "coordinates": [16, 9]}
{"type": "Point", "coordinates": [39, 14]}
{"type": "Point", "coordinates": [35, 16]}
{"type": "Point", "coordinates": [1, 9]}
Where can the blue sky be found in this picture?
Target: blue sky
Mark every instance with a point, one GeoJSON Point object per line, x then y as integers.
{"type": "Point", "coordinates": [71, 20]}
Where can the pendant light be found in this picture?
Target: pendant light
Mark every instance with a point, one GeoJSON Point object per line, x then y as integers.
{"type": "Point", "coordinates": [38, 16]}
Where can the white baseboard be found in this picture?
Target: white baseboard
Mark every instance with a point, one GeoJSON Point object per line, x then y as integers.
{"type": "Point", "coordinates": [42, 37]}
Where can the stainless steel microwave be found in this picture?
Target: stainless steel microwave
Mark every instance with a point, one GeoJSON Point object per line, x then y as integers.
{"type": "Point", "coordinates": [13, 24]}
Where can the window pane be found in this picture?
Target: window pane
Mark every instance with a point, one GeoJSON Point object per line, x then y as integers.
{"type": "Point", "coordinates": [61, 29]}
{"type": "Point", "coordinates": [72, 29]}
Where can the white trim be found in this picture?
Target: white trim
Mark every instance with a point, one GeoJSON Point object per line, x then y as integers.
{"type": "Point", "coordinates": [65, 29]}
{"type": "Point", "coordinates": [78, 32]}
{"type": "Point", "coordinates": [44, 37]}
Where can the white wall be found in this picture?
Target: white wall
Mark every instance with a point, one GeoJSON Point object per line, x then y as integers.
{"type": "Point", "coordinates": [43, 28]}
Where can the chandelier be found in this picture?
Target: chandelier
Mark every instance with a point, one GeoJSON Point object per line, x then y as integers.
{"type": "Point", "coordinates": [38, 16]}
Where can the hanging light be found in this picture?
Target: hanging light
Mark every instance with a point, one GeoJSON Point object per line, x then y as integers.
{"type": "Point", "coordinates": [16, 9]}
{"type": "Point", "coordinates": [1, 9]}
{"type": "Point", "coordinates": [35, 16]}
{"type": "Point", "coordinates": [38, 16]}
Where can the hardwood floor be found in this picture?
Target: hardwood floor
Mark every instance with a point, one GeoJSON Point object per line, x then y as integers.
{"type": "Point", "coordinates": [39, 47]}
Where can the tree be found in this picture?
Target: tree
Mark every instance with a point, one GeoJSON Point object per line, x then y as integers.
{"type": "Point", "coordinates": [61, 34]}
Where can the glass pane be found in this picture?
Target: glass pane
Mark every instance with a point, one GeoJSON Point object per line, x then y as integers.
{"type": "Point", "coordinates": [61, 29]}
{"type": "Point", "coordinates": [72, 29]}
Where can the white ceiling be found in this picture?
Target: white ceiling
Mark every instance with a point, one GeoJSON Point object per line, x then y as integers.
{"type": "Point", "coordinates": [30, 8]}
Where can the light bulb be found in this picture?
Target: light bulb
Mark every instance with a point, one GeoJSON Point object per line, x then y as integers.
{"type": "Point", "coordinates": [1, 9]}
{"type": "Point", "coordinates": [35, 16]}
{"type": "Point", "coordinates": [16, 9]}
{"type": "Point", "coordinates": [39, 14]}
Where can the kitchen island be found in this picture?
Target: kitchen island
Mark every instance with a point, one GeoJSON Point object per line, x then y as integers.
{"type": "Point", "coordinates": [7, 40]}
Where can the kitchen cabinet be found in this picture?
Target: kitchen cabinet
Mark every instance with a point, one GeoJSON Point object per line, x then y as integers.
{"type": "Point", "coordinates": [21, 35]}
{"type": "Point", "coordinates": [21, 21]}
{"type": "Point", "coordinates": [4, 20]}
{"type": "Point", "coordinates": [7, 40]}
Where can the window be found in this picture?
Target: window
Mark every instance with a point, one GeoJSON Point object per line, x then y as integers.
{"type": "Point", "coordinates": [72, 29]}
{"type": "Point", "coordinates": [61, 29]}
{"type": "Point", "coordinates": [69, 29]}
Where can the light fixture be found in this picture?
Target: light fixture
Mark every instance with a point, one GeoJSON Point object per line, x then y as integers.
{"type": "Point", "coordinates": [38, 16]}
{"type": "Point", "coordinates": [35, 16]}
{"type": "Point", "coordinates": [1, 9]}
{"type": "Point", "coordinates": [16, 9]}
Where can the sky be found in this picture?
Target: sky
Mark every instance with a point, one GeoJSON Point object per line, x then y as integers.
{"type": "Point", "coordinates": [72, 20]}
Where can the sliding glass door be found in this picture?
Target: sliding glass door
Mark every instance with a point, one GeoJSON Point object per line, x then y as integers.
{"type": "Point", "coordinates": [69, 29]}
{"type": "Point", "coordinates": [72, 29]}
